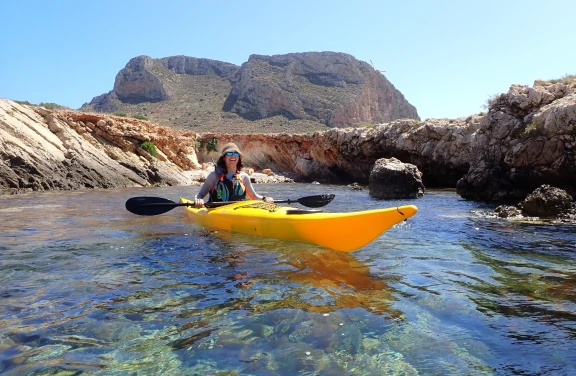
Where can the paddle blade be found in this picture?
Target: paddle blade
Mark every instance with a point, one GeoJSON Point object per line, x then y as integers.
{"type": "Point", "coordinates": [316, 201]}
{"type": "Point", "coordinates": [150, 205]}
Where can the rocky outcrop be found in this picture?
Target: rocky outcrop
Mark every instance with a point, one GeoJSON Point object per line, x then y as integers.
{"type": "Point", "coordinates": [152, 80]}
{"type": "Point", "coordinates": [137, 82]}
{"type": "Point", "coordinates": [546, 203]}
{"type": "Point", "coordinates": [61, 150]}
{"type": "Point", "coordinates": [528, 138]}
{"type": "Point", "coordinates": [333, 88]}
{"type": "Point", "coordinates": [392, 179]}
{"type": "Point", "coordinates": [330, 88]}
{"type": "Point", "coordinates": [439, 148]}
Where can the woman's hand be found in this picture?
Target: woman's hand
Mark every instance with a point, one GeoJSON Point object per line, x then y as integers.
{"type": "Point", "coordinates": [198, 202]}
{"type": "Point", "coordinates": [268, 199]}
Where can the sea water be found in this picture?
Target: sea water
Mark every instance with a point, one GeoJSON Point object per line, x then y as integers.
{"type": "Point", "coordinates": [88, 287]}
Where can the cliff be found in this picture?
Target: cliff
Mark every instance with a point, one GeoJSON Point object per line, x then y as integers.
{"type": "Point", "coordinates": [526, 139]}
{"type": "Point", "coordinates": [294, 92]}
{"type": "Point", "coordinates": [331, 88]}
{"type": "Point", "coordinates": [60, 150]}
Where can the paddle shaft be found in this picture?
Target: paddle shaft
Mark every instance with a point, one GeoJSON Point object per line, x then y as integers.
{"type": "Point", "coordinates": [207, 204]}
{"type": "Point", "coordinates": [158, 205]}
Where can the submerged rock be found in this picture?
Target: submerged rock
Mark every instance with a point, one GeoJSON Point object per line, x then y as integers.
{"type": "Point", "coordinates": [507, 211]}
{"type": "Point", "coordinates": [546, 202]}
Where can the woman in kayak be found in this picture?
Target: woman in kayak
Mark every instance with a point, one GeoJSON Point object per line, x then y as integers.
{"type": "Point", "coordinates": [228, 182]}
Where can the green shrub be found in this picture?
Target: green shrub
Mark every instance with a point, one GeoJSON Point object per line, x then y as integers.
{"type": "Point", "coordinates": [139, 117]}
{"type": "Point", "coordinates": [566, 80]}
{"type": "Point", "coordinates": [532, 130]}
{"type": "Point", "coordinates": [120, 113]}
{"type": "Point", "coordinates": [490, 101]}
{"type": "Point", "coordinates": [212, 145]}
{"type": "Point", "coordinates": [198, 145]}
{"type": "Point", "coordinates": [150, 148]}
{"type": "Point", "coordinates": [24, 102]}
{"type": "Point", "coordinates": [51, 106]}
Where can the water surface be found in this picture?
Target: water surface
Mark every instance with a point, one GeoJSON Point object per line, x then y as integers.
{"type": "Point", "coordinates": [87, 287]}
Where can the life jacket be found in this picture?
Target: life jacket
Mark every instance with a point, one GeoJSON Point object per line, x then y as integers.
{"type": "Point", "coordinates": [228, 189]}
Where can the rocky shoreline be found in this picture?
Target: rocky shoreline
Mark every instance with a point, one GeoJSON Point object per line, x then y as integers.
{"type": "Point", "coordinates": [527, 139]}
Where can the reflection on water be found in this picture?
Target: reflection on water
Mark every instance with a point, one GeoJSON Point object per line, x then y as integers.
{"type": "Point", "coordinates": [89, 287]}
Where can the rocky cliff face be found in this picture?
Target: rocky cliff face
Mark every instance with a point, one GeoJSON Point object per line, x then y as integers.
{"type": "Point", "coordinates": [61, 150]}
{"type": "Point", "coordinates": [326, 88]}
{"type": "Point", "coordinates": [332, 88]}
{"type": "Point", "coordinates": [440, 149]}
{"type": "Point", "coordinates": [153, 80]}
{"type": "Point", "coordinates": [528, 138]}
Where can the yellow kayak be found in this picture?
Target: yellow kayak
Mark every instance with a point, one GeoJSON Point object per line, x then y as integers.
{"type": "Point", "coordinates": [339, 231]}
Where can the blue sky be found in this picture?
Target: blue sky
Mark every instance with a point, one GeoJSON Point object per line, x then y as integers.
{"type": "Point", "coordinates": [446, 57]}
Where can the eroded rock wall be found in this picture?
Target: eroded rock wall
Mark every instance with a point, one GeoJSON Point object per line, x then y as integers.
{"type": "Point", "coordinates": [333, 88]}
{"type": "Point", "coordinates": [329, 88]}
{"type": "Point", "coordinates": [60, 150]}
{"type": "Point", "coordinates": [438, 147]}
{"type": "Point", "coordinates": [528, 138]}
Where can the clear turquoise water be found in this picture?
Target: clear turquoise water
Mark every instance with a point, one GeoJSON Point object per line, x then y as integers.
{"type": "Point", "coordinates": [87, 287]}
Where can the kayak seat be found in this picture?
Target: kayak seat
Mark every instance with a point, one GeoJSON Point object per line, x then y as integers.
{"type": "Point", "coordinates": [303, 211]}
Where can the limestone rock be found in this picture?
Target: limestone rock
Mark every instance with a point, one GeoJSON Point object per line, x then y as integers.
{"type": "Point", "coordinates": [330, 87]}
{"type": "Point", "coordinates": [527, 139]}
{"type": "Point", "coordinates": [53, 150]}
{"type": "Point", "coordinates": [392, 179]}
{"type": "Point", "coordinates": [546, 203]}
{"type": "Point", "coordinates": [137, 82]}
{"type": "Point", "coordinates": [147, 80]}
{"type": "Point", "coordinates": [325, 88]}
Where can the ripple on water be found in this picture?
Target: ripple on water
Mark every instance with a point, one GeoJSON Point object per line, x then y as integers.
{"type": "Point", "coordinates": [447, 292]}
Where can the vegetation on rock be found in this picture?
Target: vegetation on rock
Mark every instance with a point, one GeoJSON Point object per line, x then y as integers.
{"type": "Point", "coordinates": [150, 148]}
{"type": "Point", "coordinates": [212, 145]}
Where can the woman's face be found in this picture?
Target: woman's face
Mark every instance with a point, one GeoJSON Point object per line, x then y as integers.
{"type": "Point", "coordinates": [231, 159]}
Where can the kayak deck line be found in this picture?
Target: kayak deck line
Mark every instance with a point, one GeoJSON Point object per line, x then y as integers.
{"type": "Point", "coordinates": [271, 207]}
{"type": "Point", "coordinates": [344, 232]}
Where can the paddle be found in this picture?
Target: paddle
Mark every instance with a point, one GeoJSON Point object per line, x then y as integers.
{"type": "Point", "coordinates": [159, 205]}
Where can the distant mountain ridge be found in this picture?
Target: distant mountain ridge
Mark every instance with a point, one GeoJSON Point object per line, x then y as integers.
{"type": "Point", "coordinates": [293, 92]}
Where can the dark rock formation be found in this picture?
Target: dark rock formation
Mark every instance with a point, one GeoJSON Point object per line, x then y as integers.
{"type": "Point", "coordinates": [546, 201]}
{"type": "Point", "coordinates": [330, 87]}
{"type": "Point", "coordinates": [392, 179]}
{"type": "Point", "coordinates": [507, 211]}
{"type": "Point", "coordinates": [527, 139]}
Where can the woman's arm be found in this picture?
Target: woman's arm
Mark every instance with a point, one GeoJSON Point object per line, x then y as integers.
{"type": "Point", "coordinates": [210, 181]}
{"type": "Point", "coordinates": [250, 189]}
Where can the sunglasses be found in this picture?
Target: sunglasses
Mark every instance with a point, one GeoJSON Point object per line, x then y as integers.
{"type": "Point", "coordinates": [232, 153]}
